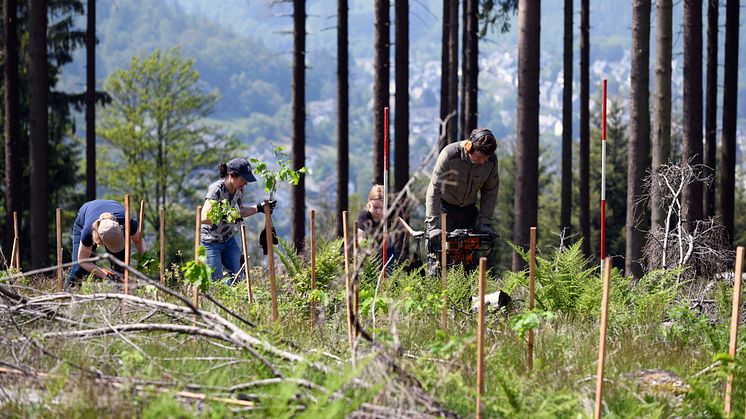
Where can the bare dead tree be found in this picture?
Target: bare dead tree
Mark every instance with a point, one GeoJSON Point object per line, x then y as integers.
{"type": "Point", "coordinates": [704, 250]}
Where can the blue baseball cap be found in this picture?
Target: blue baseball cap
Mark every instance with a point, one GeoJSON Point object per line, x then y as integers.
{"type": "Point", "coordinates": [242, 167]}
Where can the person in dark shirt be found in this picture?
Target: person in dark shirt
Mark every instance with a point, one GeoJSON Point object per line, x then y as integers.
{"type": "Point", "coordinates": [100, 223]}
{"type": "Point", "coordinates": [369, 225]}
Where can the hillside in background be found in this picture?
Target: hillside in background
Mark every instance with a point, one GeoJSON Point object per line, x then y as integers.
{"type": "Point", "coordinates": [242, 50]}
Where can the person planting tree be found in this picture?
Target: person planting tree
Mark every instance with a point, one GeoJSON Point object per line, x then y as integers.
{"type": "Point", "coordinates": [101, 223]}
{"type": "Point", "coordinates": [222, 213]}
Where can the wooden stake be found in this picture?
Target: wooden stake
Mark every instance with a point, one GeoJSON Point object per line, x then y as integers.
{"type": "Point", "coordinates": [197, 228]}
{"type": "Point", "coordinates": [348, 291]}
{"type": "Point", "coordinates": [602, 339]}
{"type": "Point", "coordinates": [355, 288]}
{"type": "Point", "coordinates": [58, 222]}
{"type": "Point", "coordinates": [141, 219]}
{"type": "Point", "coordinates": [271, 260]}
{"type": "Point", "coordinates": [313, 266]}
{"type": "Point", "coordinates": [16, 242]}
{"type": "Point", "coordinates": [126, 244]}
{"type": "Point", "coordinates": [531, 288]}
{"type": "Point", "coordinates": [735, 315]}
{"type": "Point", "coordinates": [444, 271]}
{"type": "Point", "coordinates": [246, 264]}
{"type": "Point", "coordinates": [162, 230]}
{"type": "Point", "coordinates": [480, 335]}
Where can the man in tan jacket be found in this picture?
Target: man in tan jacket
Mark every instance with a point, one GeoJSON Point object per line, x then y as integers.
{"type": "Point", "coordinates": [465, 171]}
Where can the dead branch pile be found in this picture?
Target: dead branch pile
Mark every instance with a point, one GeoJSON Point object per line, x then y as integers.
{"type": "Point", "coordinates": [130, 341]}
{"type": "Point", "coordinates": [699, 245]}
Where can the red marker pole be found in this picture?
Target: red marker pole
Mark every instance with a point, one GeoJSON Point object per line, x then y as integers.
{"type": "Point", "coordinates": [603, 177]}
{"type": "Point", "coordinates": [385, 186]}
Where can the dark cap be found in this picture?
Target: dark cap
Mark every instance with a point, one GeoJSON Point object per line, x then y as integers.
{"type": "Point", "coordinates": [242, 167]}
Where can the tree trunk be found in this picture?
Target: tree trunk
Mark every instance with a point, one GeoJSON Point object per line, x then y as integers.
{"type": "Point", "coordinates": [38, 134]}
{"type": "Point", "coordinates": [343, 139]}
{"type": "Point", "coordinates": [470, 68]}
{"type": "Point", "coordinates": [691, 151]}
{"type": "Point", "coordinates": [662, 107]}
{"type": "Point", "coordinates": [299, 121]}
{"type": "Point", "coordinates": [380, 85]}
{"type": "Point", "coordinates": [566, 209]}
{"type": "Point", "coordinates": [708, 205]}
{"type": "Point", "coordinates": [527, 143]}
{"type": "Point", "coordinates": [452, 126]}
{"type": "Point", "coordinates": [585, 129]}
{"type": "Point", "coordinates": [444, 74]}
{"type": "Point", "coordinates": [401, 105]}
{"type": "Point", "coordinates": [638, 145]}
{"type": "Point", "coordinates": [12, 120]}
{"type": "Point", "coordinates": [730, 114]}
{"type": "Point", "coordinates": [90, 103]}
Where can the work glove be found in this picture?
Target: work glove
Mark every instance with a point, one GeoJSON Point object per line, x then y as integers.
{"type": "Point", "coordinates": [488, 230]}
{"type": "Point", "coordinates": [111, 275]}
{"type": "Point", "coordinates": [263, 239]}
{"type": "Point", "coordinates": [260, 206]}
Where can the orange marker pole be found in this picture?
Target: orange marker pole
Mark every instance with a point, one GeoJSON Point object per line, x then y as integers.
{"type": "Point", "coordinates": [348, 290]}
{"type": "Point", "coordinates": [246, 264]}
{"type": "Point", "coordinates": [58, 222]}
{"type": "Point", "coordinates": [480, 335]}
{"type": "Point", "coordinates": [162, 230]}
{"type": "Point", "coordinates": [313, 266]}
{"type": "Point", "coordinates": [271, 260]}
{"type": "Point", "coordinates": [531, 293]}
{"type": "Point", "coordinates": [444, 271]}
{"type": "Point", "coordinates": [735, 315]}
{"type": "Point", "coordinates": [126, 244]}
{"type": "Point", "coordinates": [197, 228]}
{"type": "Point", "coordinates": [602, 340]}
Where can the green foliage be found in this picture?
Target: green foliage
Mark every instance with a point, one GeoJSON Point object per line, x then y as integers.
{"type": "Point", "coordinates": [166, 405]}
{"type": "Point", "coordinates": [283, 174]}
{"type": "Point", "coordinates": [148, 263]}
{"type": "Point", "coordinates": [565, 283]}
{"type": "Point", "coordinates": [531, 320]}
{"type": "Point", "coordinates": [198, 272]}
{"type": "Point", "coordinates": [157, 143]}
{"type": "Point", "coordinates": [329, 262]}
{"type": "Point", "coordinates": [222, 210]}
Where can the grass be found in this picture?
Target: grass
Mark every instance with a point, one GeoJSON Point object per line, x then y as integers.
{"type": "Point", "coordinates": [651, 327]}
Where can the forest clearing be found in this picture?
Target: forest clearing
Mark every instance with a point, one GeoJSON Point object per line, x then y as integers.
{"type": "Point", "coordinates": [345, 213]}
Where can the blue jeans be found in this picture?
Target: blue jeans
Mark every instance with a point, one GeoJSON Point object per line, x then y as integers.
{"type": "Point", "coordinates": [226, 256]}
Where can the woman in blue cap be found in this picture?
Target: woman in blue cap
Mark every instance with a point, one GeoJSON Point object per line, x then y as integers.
{"type": "Point", "coordinates": [218, 239]}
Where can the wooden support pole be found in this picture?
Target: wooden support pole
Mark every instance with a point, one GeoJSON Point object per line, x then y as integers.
{"type": "Point", "coordinates": [16, 243]}
{"type": "Point", "coordinates": [480, 335]}
{"type": "Point", "coordinates": [141, 219]}
{"type": "Point", "coordinates": [444, 271]}
{"type": "Point", "coordinates": [734, 318]}
{"type": "Point", "coordinates": [602, 339]}
{"type": "Point", "coordinates": [313, 267]}
{"type": "Point", "coordinates": [162, 242]}
{"type": "Point", "coordinates": [355, 284]}
{"type": "Point", "coordinates": [348, 289]}
{"type": "Point", "coordinates": [531, 291]}
{"type": "Point", "coordinates": [197, 228]}
{"type": "Point", "coordinates": [58, 224]}
{"type": "Point", "coordinates": [126, 244]}
{"type": "Point", "coordinates": [247, 268]}
{"type": "Point", "coordinates": [271, 260]}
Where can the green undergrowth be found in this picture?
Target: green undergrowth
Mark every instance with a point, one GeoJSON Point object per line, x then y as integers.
{"type": "Point", "coordinates": [651, 326]}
